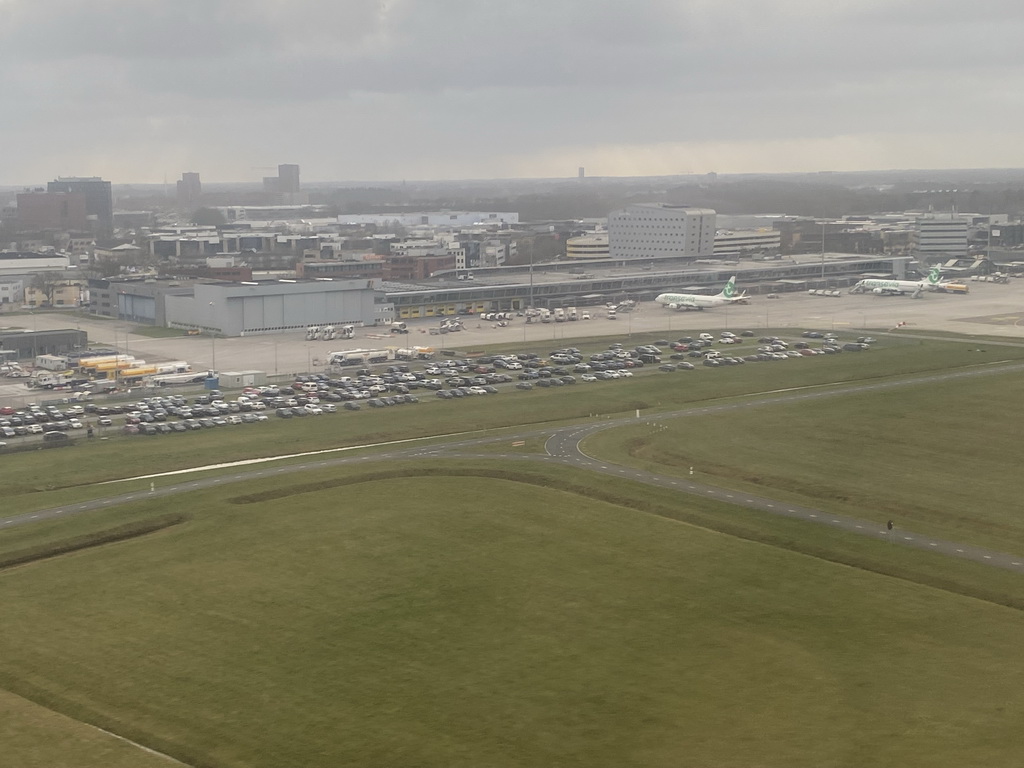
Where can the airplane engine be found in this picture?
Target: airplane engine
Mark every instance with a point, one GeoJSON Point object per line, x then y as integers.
{"type": "Point", "coordinates": [673, 306]}
{"type": "Point", "coordinates": [878, 291]}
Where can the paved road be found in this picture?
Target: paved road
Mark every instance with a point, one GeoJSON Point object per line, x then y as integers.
{"type": "Point", "coordinates": [563, 444]}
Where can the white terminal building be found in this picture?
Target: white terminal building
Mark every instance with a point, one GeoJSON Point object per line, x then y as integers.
{"type": "Point", "coordinates": [431, 219]}
{"type": "Point", "coordinates": [736, 242]}
{"type": "Point", "coordinates": [647, 230]}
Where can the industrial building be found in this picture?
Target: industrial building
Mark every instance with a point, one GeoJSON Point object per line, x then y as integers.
{"type": "Point", "coordinates": [274, 306]}
{"type": "Point", "coordinates": [28, 343]}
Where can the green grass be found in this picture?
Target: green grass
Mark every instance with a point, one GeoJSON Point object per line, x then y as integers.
{"type": "Point", "coordinates": [35, 737]}
{"type": "Point", "coordinates": [456, 621]}
{"type": "Point", "coordinates": [651, 391]}
{"type": "Point", "coordinates": [933, 457]}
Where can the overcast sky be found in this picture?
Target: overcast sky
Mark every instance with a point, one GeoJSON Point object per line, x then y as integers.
{"type": "Point", "coordinates": [133, 90]}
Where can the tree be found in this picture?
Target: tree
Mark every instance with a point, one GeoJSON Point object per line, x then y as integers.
{"type": "Point", "coordinates": [47, 284]}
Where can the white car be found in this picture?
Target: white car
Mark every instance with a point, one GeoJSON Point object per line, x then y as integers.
{"type": "Point", "coordinates": [313, 410]}
{"type": "Point", "coordinates": [625, 374]}
{"type": "Point", "coordinates": [328, 408]}
{"type": "Point", "coordinates": [478, 390]}
{"type": "Point", "coordinates": [588, 377]}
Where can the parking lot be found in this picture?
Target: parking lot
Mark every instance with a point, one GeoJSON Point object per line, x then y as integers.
{"type": "Point", "coordinates": [989, 310]}
{"type": "Point", "coordinates": [167, 411]}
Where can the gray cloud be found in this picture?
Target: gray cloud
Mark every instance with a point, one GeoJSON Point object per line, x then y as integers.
{"type": "Point", "coordinates": [370, 88]}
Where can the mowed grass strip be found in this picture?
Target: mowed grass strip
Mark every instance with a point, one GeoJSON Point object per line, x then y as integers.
{"type": "Point", "coordinates": [459, 621]}
{"type": "Point", "coordinates": [934, 457]}
{"type": "Point", "coordinates": [35, 737]}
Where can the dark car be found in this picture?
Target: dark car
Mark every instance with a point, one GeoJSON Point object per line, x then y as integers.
{"type": "Point", "coordinates": [524, 385]}
{"type": "Point", "coordinates": [350, 406]}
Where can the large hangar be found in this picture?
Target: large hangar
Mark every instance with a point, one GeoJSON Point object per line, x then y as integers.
{"type": "Point", "coordinates": [275, 306]}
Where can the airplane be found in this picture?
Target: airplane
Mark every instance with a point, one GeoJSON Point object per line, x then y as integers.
{"type": "Point", "coordinates": [900, 287]}
{"type": "Point", "coordinates": [698, 301]}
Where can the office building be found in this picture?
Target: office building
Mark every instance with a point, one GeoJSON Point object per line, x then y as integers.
{"type": "Point", "coordinates": [190, 192]}
{"type": "Point", "coordinates": [288, 179]}
{"type": "Point", "coordinates": [941, 237]}
{"type": "Point", "coordinates": [648, 230]}
{"type": "Point", "coordinates": [40, 211]}
{"type": "Point", "coordinates": [99, 201]}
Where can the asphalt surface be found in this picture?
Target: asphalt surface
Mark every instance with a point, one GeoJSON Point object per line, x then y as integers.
{"type": "Point", "coordinates": [989, 310]}
{"type": "Point", "coordinates": [563, 444]}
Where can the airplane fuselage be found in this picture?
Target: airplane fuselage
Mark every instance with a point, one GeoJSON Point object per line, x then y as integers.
{"type": "Point", "coordinates": [689, 301]}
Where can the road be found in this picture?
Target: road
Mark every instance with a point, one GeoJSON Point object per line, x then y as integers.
{"type": "Point", "coordinates": [563, 445]}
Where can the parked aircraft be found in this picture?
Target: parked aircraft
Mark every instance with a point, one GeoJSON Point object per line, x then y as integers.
{"type": "Point", "coordinates": [900, 287]}
{"type": "Point", "coordinates": [699, 301]}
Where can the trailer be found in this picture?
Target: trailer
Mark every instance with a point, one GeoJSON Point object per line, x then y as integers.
{"type": "Point", "coordinates": [179, 379]}
{"type": "Point", "coordinates": [176, 366]}
{"type": "Point", "coordinates": [87, 363]}
{"type": "Point", "coordinates": [52, 362]}
{"type": "Point", "coordinates": [329, 333]}
{"type": "Point", "coordinates": [312, 333]}
{"type": "Point", "coordinates": [348, 331]}
{"type": "Point", "coordinates": [414, 353]}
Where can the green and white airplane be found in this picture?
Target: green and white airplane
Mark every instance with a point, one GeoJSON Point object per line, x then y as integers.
{"type": "Point", "coordinates": [689, 301]}
{"type": "Point", "coordinates": [900, 287]}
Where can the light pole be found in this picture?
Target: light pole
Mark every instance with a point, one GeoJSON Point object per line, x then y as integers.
{"type": "Point", "coordinates": [213, 341]}
{"type": "Point", "coordinates": [531, 276]}
{"type": "Point", "coordinates": [823, 225]}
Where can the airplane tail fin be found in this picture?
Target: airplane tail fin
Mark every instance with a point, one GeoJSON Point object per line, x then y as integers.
{"type": "Point", "coordinates": [730, 289]}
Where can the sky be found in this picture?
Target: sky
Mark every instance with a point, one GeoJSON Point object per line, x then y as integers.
{"type": "Point", "coordinates": [141, 90]}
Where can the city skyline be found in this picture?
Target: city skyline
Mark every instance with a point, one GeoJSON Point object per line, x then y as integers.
{"type": "Point", "coordinates": [137, 92]}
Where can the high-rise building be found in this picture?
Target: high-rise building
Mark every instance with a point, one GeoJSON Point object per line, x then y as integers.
{"type": "Point", "coordinates": [99, 200]}
{"type": "Point", "coordinates": [190, 192]}
{"type": "Point", "coordinates": [288, 179]}
{"type": "Point", "coordinates": [41, 211]}
{"type": "Point", "coordinates": [659, 230]}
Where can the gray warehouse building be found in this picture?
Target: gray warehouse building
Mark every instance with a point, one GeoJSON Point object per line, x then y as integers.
{"type": "Point", "coordinates": [273, 306]}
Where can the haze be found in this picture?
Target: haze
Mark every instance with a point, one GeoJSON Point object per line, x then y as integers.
{"type": "Point", "coordinates": [136, 90]}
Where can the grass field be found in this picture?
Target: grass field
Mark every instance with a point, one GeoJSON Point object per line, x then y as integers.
{"type": "Point", "coordinates": [36, 737]}
{"type": "Point", "coordinates": [934, 457]}
{"type": "Point", "coordinates": [457, 621]}
{"type": "Point", "coordinates": [653, 391]}
{"type": "Point", "coordinates": [506, 613]}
